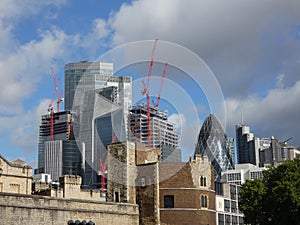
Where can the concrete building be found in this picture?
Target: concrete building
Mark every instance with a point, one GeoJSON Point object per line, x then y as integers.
{"type": "Point", "coordinates": [167, 193]}
{"type": "Point", "coordinates": [100, 102]}
{"type": "Point", "coordinates": [214, 143]}
{"type": "Point", "coordinates": [241, 173]}
{"type": "Point", "coordinates": [63, 155]}
{"type": "Point", "coordinates": [15, 177]}
{"type": "Point", "coordinates": [227, 206]}
{"type": "Point", "coordinates": [163, 133]}
{"type": "Point", "coordinates": [278, 152]}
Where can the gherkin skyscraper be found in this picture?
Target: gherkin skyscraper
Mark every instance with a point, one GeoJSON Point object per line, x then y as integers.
{"type": "Point", "coordinates": [213, 142]}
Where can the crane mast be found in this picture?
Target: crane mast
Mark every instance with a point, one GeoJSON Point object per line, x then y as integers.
{"type": "Point", "coordinates": [146, 91]}
{"type": "Point", "coordinates": [161, 86]}
{"type": "Point", "coordinates": [50, 107]}
{"type": "Point", "coordinates": [103, 167]}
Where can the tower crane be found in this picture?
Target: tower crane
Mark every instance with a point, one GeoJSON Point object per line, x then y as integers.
{"type": "Point", "coordinates": [161, 86]}
{"type": "Point", "coordinates": [103, 167]}
{"type": "Point", "coordinates": [146, 91]}
{"type": "Point", "coordinates": [290, 138]}
{"type": "Point", "coordinates": [50, 107]}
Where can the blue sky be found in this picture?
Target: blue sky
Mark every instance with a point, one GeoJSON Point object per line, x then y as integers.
{"type": "Point", "coordinates": [252, 48]}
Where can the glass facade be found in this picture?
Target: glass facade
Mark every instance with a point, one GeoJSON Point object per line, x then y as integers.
{"type": "Point", "coordinates": [213, 142]}
{"type": "Point", "coordinates": [63, 157]}
{"type": "Point", "coordinates": [101, 103]}
{"type": "Point", "coordinates": [63, 130]}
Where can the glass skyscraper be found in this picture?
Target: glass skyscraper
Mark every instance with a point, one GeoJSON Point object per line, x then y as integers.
{"type": "Point", "coordinates": [213, 142]}
{"type": "Point", "coordinates": [62, 155]}
{"type": "Point", "coordinates": [100, 102]}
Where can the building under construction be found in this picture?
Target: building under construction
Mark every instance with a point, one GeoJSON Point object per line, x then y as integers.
{"type": "Point", "coordinates": [162, 132]}
{"type": "Point", "coordinates": [58, 151]}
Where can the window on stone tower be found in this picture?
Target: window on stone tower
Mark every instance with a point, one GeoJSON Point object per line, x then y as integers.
{"type": "Point", "coordinates": [203, 181]}
{"type": "Point", "coordinates": [204, 201]}
{"type": "Point", "coordinates": [169, 201]}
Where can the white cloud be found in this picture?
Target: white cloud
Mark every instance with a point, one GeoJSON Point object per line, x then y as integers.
{"type": "Point", "coordinates": [22, 129]}
{"type": "Point", "coordinates": [277, 114]}
{"type": "Point", "coordinates": [15, 9]}
{"type": "Point", "coordinates": [244, 42]}
{"type": "Point", "coordinates": [97, 37]}
{"type": "Point", "coordinates": [280, 81]}
{"type": "Point", "coordinates": [22, 70]}
{"type": "Point", "coordinates": [179, 121]}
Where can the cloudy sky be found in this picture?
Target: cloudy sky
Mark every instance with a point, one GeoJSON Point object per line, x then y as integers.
{"type": "Point", "coordinates": [252, 47]}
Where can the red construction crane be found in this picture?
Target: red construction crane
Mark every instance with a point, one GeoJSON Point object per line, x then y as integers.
{"type": "Point", "coordinates": [102, 166]}
{"type": "Point", "coordinates": [161, 86]}
{"type": "Point", "coordinates": [146, 91]}
{"type": "Point", "coordinates": [50, 107]}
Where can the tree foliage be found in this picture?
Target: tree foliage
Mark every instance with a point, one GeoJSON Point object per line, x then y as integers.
{"type": "Point", "coordinates": [275, 199]}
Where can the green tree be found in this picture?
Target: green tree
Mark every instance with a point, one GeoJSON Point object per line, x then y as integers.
{"type": "Point", "coordinates": [275, 199]}
{"type": "Point", "coordinates": [251, 197]}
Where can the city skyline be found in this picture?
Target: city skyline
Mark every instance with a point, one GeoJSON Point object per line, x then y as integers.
{"type": "Point", "coordinates": [252, 48]}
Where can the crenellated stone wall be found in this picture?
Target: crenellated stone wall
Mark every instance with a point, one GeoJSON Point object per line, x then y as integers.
{"type": "Point", "coordinates": [16, 209]}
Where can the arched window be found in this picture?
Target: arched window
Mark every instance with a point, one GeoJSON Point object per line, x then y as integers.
{"type": "Point", "coordinates": [204, 201]}
{"type": "Point", "coordinates": [203, 181]}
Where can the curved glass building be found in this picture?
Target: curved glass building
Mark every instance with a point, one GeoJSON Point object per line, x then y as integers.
{"type": "Point", "coordinates": [213, 142]}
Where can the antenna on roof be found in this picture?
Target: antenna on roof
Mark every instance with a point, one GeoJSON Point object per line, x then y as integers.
{"type": "Point", "coordinates": [242, 117]}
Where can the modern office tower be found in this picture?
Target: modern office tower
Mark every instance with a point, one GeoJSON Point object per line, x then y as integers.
{"type": "Point", "coordinates": [231, 148]}
{"type": "Point", "coordinates": [63, 157]}
{"type": "Point", "coordinates": [213, 142]}
{"type": "Point", "coordinates": [100, 102]}
{"type": "Point", "coordinates": [277, 152]}
{"type": "Point", "coordinates": [102, 122]}
{"type": "Point", "coordinates": [93, 74]}
{"type": "Point", "coordinates": [265, 156]}
{"type": "Point", "coordinates": [247, 145]}
{"type": "Point", "coordinates": [59, 155]}
{"type": "Point", "coordinates": [162, 132]}
{"type": "Point", "coordinates": [227, 205]}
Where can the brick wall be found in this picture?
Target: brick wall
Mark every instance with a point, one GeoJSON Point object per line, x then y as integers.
{"type": "Point", "coordinates": [184, 185]}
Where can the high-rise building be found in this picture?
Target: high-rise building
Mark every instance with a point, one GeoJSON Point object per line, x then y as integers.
{"type": "Point", "coordinates": [213, 142]}
{"type": "Point", "coordinates": [247, 145]}
{"type": "Point", "coordinates": [63, 157]}
{"type": "Point", "coordinates": [277, 152]}
{"type": "Point", "coordinates": [100, 102]}
{"type": "Point", "coordinates": [163, 133]}
{"type": "Point", "coordinates": [94, 75]}
{"type": "Point", "coordinates": [59, 155]}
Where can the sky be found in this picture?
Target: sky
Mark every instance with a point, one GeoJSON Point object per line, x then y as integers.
{"type": "Point", "coordinates": [252, 47]}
